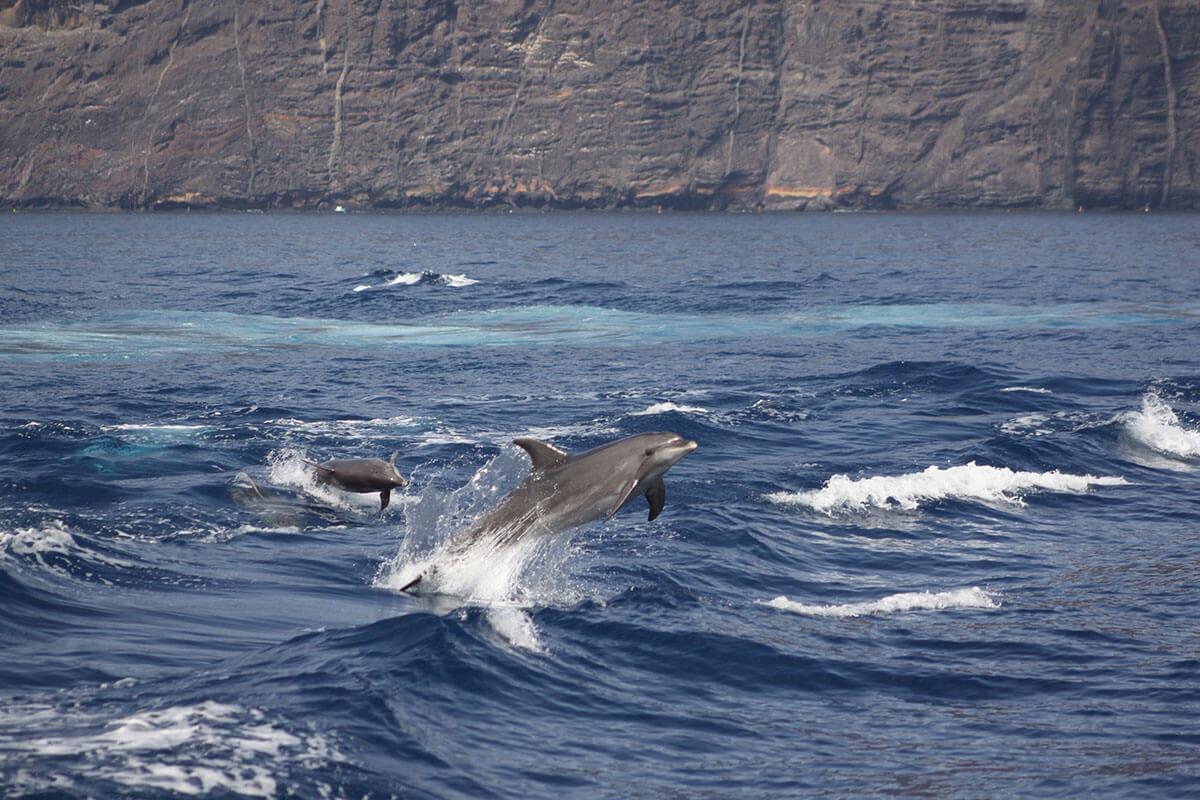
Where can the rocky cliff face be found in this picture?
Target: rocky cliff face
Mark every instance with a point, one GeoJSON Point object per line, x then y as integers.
{"type": "Point", "coordinates": [570, 103]}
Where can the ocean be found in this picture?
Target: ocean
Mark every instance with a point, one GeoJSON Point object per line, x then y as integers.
{"type": "Point", "coordinates": [941, 537]}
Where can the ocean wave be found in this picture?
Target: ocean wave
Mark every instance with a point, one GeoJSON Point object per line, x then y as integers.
{"type": "Point", "coordinates": [192, 749]}
{"type": "Point", "coordinates": [1029, 389]}
{"type": "Point", "coordinates": [1158, 427]}
{"type": "Point", "coordinates": [663, 408]}
{"type": "Point", "coordinates": [843, 494]}
{"type": "Point", "coordinates": [973, 597]}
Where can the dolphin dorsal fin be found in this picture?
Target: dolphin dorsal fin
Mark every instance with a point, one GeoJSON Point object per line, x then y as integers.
{"type": "Point", "coordinates": [541, 454]}
{"type": "Point", "coordinates": [392, 461]}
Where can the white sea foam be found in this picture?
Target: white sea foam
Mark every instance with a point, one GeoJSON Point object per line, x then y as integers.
{"type": "Point", "coordinates": [51, 539]}
{"type": "Point", "coordinates": [155, 433]}
{"type": "Point", "coordinates": [130, 426]}
{"type": "Point", "coordinates": [662, 408]}
{"type": "Point", "coordinates": [414, 278]}
{"type": "Point", "coordinates": [1027, 425]}
{"type": "Point", "coordinates": [973, 597]}
{"type": "Point", "coordinates": [843, 494]}
{"type": "Point", "coordinates": [1158, 427]}
{"type": "Point", "coordinates": [37, 543]}
{"type": "Point", "coordinates": [405, 279]}
{"type": "Point", "coordinates": [1029, 389]}
{"type": "Point", "coordinates": [194, 749]}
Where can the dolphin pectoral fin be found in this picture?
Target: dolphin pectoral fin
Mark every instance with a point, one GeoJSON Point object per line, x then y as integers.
{"type": "Point", "coordinates": [541, 454]}
{"type": "Point", "coordinates": [624, 498]}
{"type": "Point", "coordinates": [385, 497]}
{"type": "Point", "coordinates": [656, 496]}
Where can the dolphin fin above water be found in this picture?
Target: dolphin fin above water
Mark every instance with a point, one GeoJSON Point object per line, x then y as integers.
{"type": "Point", "coordinates": [656, 496]}
{"type": "Point", "coordinates": [543, 455]}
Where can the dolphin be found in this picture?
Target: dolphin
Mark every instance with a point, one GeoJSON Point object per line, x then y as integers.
{"type": "Point", "coordinates": [362, 475]}
{"type": "Point", "coordinates": [565, 491]}
{"type": "Point", "coordinates": [275, 510]}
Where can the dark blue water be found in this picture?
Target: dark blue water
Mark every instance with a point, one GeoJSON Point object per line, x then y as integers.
{"type": "Point", "coordinates": [941, 537]}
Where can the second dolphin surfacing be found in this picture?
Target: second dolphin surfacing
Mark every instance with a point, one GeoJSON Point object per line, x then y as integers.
{"type": "Point", "coordinates": [564, 491]}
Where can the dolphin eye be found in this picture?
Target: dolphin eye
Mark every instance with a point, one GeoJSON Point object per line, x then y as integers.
{"type": "Point", "coordinates": [649, 451]}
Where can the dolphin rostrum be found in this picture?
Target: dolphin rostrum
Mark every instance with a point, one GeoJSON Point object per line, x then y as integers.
{"type": "Point", "coordinates": [363, 475]}
{"type": "Point", "coordinates": [565, 491]}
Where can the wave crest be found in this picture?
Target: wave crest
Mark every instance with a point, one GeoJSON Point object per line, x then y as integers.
{"type": "Point", "coordinates": [1158, 427]}
{"type": "Point", "coordinates": [971, 481]}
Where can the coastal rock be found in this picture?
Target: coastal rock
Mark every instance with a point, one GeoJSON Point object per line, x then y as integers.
{"type": "Point", "coordinates": [701, 104]}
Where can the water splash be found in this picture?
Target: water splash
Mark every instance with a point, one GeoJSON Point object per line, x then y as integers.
{"type": "Point", "coordinates": [1159, 428]}
{"type": "Point", "coordinates": [504, 579]}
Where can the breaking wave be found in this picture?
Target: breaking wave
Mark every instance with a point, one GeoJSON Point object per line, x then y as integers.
{"type": "Point", "coordinates": [842, 494]}
{"type": "Point", "coordinates": [1158, 427]}
{"type": "Point", "coordinates": [973, 597]}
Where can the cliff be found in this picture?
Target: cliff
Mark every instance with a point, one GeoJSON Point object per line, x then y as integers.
{"type": "Point", "coordinates": [571, 103]}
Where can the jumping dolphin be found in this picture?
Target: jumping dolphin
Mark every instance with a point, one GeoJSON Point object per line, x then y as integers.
{"type": "Point", "coordinates": [563, 491]}
{"type": "Point", "coordinates": [362, 475]}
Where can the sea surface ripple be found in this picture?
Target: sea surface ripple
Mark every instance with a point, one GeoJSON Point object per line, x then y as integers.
{"type": "Point", "coordinates": [941, 537]}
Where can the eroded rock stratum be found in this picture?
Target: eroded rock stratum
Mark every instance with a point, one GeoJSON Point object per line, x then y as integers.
{"type": "Point", "coordinates": [776, 105]}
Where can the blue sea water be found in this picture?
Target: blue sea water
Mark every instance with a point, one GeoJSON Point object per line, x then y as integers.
{"type": "Point", "coordinates": [941, 537]}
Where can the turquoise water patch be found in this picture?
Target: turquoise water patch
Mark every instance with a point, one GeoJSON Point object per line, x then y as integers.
{"type": "Point", "coordinates": [169, 332]}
